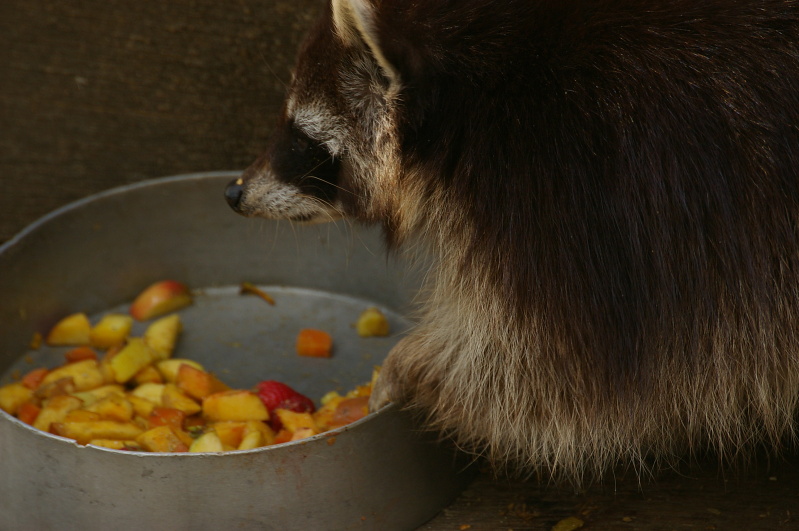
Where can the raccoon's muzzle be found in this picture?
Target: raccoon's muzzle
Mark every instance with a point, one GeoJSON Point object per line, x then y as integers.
{"type": "Point", "coordinates": [233, 194]}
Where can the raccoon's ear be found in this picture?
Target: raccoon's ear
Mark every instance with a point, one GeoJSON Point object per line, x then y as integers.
{"type": "Point", "coordinates": [356, 24]}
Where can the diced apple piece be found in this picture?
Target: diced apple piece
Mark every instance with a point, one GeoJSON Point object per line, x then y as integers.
{"type": "Point", "coordinates": [238, 405]}
{"type": "Point", "coordinates": [265, 436]}
{"type": "Point", "coordinates": [81, 415]}
{"type": "Point", "coordinates": [93, 395]}
{"type": "Point", "coordinates": [207, 442]}
{"type": "Point", "coordinates": [13, 395]}
{"type": "Point", "coordinates": [113, 407]}
{"type": "Point", "coordinates": [324, 415]}
{"type": "Point", "coordinates": [83, 432]}
{"type": "Point", "coordinates": [166, 416]}
{"type": "Point", "coordinates": [174, 397]}
{"type": "Point", "coordinates": [161, 439]}
{"type": "Point", "coordinates": [294, 421]}
{"type": "Point", "coordinates": [62, 386]}
{"type": "Point", "coordinates": [303, 433]}
{"type": "Point", "coordinates": [198, 383]}
{"type": "Point", "coordinates": [115, 444]}
{"type": "Point", "coordinates": [142, 406]}
{"type": "Point", "coordinates": [350, 410]}
{"type": "Point", "coordinates": [55, 410]}
{"type": "Point", "coordinates": [73, 329]}
{"type": "Point", "coordinates": [372, 322]}
{"type": "Point", "coordinates": [112, 330]}
{"type": "Point", "coordinates": [131, 359]}
{"type": "Point", "coordinates": [153, 392]}
{"type": "Point", "coordinates": [252, 440]}
{"type": "Point", "coordinates": [149, 374]}
{"type": "Point", "coordinates": [230, 433]}
{"type": "Point", "coordinates": [162, 335]}
{"type": "Point", "coordinates": [85, 375]}
{"type": "Point", "coordinates": [160, 298]}
{"type": "Point", "coordinates": [169, 368]}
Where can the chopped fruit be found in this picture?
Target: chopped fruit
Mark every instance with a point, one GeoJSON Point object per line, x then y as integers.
{"type": "Point", "coordinates": [12, 396]}
{"type": "Point", "coordinates": [85, 375]}
{"type": "Point", "coordinates": [248, 288]}
{"type": "Point", "coordinates": [160, 298]}
{"type": "Point", "coordinates": [162, 439]}
{"type": "Point", "coordinates": [28, 412]}
{"type": "Point", "coordinates": [149, 374]}
{"type": "Point", "coordinates": [162, 335]}
{"type": "Point", "coordinates": [349, 410]}
{"type": "Point", "coordinates": [197, 383]}
{"type": "Point", "coordinates": [314, 343]}
{"type": "Point", "coordinates": [113, 407]}
{"type": "Point", "coordinates": [175, 398]}
{"type": "Point", "coordinates": [112, 330]}
{"type": "Point", "coordinates": [169, 368]}
{"type": "Point", "coordinates": [80, 354]}
{"type": "Point", "coordinates": [166, 416]}
{"type": "Point", "coordinates": [83, 432]}
{"type": "Point", "coordinates": [153, 392]}
{"type": "Point", "coordinates": [294, 421]}
{"type": "Point", "coordinates": [33, 379]}
{"type": "Point", "coordinates": [234, 405]}
{"type": "Point", "coordinates": [207, 442]}
{"type": "Point", "coordinates": [55, 409]}
{"type": "Point", "coordinates": [276, 395]}
{"type": "Point", "coordinates": [73, 329]}
{"type": "Point", "coordinates": [372, 322]}
{"type": "Point", "coordinates": [133, 357]}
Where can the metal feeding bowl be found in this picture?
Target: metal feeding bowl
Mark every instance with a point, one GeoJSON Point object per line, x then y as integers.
{"type": "Point", "coordinates": [381, 472]}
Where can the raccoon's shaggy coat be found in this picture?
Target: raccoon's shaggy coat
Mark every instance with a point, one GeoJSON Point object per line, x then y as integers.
{"type": "Point", "coordinates": [610, 190]}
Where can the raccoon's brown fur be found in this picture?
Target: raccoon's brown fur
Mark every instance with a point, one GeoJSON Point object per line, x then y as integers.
{"type": "Point", "coordinates": [610, 193]}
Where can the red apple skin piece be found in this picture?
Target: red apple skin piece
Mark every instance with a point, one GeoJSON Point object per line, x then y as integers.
{"type": "Point", "coordinates": [159, 299]}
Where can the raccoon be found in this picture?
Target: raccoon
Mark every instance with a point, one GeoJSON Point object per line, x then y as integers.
{"type": "Point", "coordinates": [609, 192]}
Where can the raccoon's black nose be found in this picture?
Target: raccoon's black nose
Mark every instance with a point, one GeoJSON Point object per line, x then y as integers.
{"type": "Point", "coordinates": [233, 194]}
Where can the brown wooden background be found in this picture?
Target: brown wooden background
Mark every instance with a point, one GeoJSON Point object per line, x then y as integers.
{"type": "Point", "coordinates": [95, 94]}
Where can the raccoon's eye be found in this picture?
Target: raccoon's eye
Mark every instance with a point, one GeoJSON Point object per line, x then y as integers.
{"type": "Point", "coordinates": [300, 143]}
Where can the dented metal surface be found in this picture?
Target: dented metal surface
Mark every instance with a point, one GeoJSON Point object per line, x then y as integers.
{"type": "Point", "coordinates": [93, 255]}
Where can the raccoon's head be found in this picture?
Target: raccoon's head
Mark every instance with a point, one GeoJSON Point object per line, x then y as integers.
{"type": "Point", "coordinates": [333, 152]}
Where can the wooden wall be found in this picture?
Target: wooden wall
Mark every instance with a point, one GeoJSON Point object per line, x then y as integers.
{"type": "Point", "coordinates": [99, 93]}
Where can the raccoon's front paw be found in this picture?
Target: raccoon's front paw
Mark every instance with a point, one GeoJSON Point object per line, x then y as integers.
{"type": "Point", "coordinates": [387, 388]}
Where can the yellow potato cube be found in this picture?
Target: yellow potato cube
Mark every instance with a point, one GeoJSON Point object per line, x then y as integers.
{"type": "Point", "coordinates": [131, 359]}
{"type": "Point", "coordinates": [55, 410]}
{"type": "Point", "coordinates": [85, 375]}
{"type": "Point", "coordinates": [372, 322]}
{"type": "Point", "coordinates": [238, 405]}
{"type": "Point", "coordinates": [174, 397]}
{"type": "Point", "coordinates": [14, 395]}
{"type": "Point", "coordinates": [73, 329]}
{"type": "Point", "coordinates": [169, 368]}
{"type": "Point", "coordinates": [207, 442]}
{"type": "Point", "coordinates": [112, 330]}
{"type": "Point", "coordinates": [162, 335]}
{"type": "Point", "coordinates": [161, 439]}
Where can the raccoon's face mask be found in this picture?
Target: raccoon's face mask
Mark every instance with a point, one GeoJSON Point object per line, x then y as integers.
{"type": "Point", "coordinates": [331, 150]}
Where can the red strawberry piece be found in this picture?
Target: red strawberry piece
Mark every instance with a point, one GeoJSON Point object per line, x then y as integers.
{"type": "Point", "coordinates": [276, 395]}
